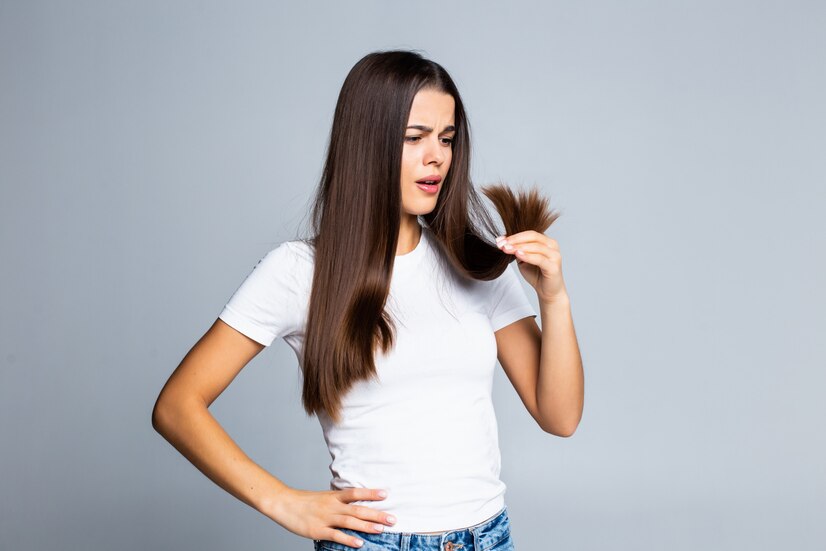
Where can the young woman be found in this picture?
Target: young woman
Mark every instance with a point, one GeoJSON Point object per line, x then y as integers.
{"type": "Point", "coordinates": [397, 308]}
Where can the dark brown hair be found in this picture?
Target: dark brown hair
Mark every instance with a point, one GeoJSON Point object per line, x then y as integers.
{"type": "Point", "coordinates": [356, 217]}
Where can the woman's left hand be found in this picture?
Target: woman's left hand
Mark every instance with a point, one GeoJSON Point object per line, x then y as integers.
{"type": "Point", "coordinates": [539, 262]}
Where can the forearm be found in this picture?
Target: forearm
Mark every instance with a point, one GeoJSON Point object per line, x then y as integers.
{"type": "Point", "coordinates": [189, 426]}
{"type": "Point", "coordinates": [560, 388]}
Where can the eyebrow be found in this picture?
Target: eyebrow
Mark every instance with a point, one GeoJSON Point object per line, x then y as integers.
{"type": "Point", "coordinates": [423, 128]}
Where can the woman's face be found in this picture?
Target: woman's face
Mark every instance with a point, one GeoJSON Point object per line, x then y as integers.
{"type": "Point", "coordinates": [428, 150]}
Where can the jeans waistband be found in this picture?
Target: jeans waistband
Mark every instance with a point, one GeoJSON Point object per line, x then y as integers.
{"type": "Point", "coordinates": [479, 536]}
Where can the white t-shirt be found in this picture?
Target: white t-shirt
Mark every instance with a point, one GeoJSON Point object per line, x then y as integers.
{"type": "Point", "coordinates": [426, 430]}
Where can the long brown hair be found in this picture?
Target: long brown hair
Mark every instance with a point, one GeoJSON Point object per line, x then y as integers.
{"type": "Point", "coordinates": [356, 215]}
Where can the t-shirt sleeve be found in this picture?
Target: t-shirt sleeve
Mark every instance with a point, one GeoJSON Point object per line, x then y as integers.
{"type": "Point", "coordinates": [508, 300]}
{"type": "Point", "coordinates": [267, 303]}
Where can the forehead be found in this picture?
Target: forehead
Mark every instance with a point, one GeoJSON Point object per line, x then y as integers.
{"type": "Point", "coordinates": [432, 106]}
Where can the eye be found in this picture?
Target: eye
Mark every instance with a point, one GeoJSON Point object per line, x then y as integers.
{"type": "Point", "coordinates": [414, 139]}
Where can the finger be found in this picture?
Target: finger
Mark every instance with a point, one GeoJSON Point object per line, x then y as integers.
{"type": "Point", "coordinates": [509, 249]}
{"type": "Point", "coordinates": [355, 523]}
{"type": "Point", "coordinates": [533, 252]}
{"type": "Point", "coordinates": [523, 235]}
{"type": "Point", "coordinates": [537, 248]}
{"type": "Point", "coordinates": [360, 494]}
{"type": "Point", "coordinates": [509, 245]}
{"type": "Point", "coordinates": [527, 237]}
{"type": "Point", "coordinates": [343, 538]}
{"type": "Point", "coordinates": [535, 258]}
{"type": "Point", "coordinates": [529, 248]}
{"type": "Point", "coordinates": [370, 514]}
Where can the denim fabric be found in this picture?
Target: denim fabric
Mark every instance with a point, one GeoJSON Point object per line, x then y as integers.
{"type": "Point", "coordinates": [491, 535]}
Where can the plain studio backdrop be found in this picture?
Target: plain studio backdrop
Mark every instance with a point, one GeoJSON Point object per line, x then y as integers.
{"type": "Point", "coordinates": [152, 152]}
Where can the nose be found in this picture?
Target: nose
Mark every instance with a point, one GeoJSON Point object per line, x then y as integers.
{"type": "Point", "coordinates": [435, 152]}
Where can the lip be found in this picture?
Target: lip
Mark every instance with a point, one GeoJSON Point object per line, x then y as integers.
{"type": "Point", "coordinates": [435, 178]}
{"type": "Point", "coordinates": [429, 188]}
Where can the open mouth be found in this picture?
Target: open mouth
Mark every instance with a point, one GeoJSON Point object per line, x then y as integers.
{"type": "Point", "coordinates": [430, 184]}
{"type": "Point", "coordinates": [429, 188]}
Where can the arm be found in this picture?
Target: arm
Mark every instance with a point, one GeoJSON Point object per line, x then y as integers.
{"type": "Point", "coordinates": [182, 417]}
{"type": "Point", "coordinates": [539, 366]}
{"type": "Point", "coordinates": [560, 391]}
{"type": "Point", "coordinates": [545, 366]}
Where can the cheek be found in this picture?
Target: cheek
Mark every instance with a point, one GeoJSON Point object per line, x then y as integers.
{"type": "Point", "coordinates": [408, 168]}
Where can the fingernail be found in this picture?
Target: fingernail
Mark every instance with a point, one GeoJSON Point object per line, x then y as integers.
{"type": "Point", "coordinates": [379, 527]}
{"type": "Point", "coordinates": [359, 543]}
{"type": "Point", "coordinates": [508, 246]}
{"type": "Point", "coordinates": [391, 519]}
{"type": "Point", "coordinates": [382, 493]}
{"type": "Point", "coordinates": [500, 238]}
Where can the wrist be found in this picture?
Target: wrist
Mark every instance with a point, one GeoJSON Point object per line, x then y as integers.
{"type": "Point", "coordinates": [272, 504]}
{"type": "Point", "coordinates": [561, 300]}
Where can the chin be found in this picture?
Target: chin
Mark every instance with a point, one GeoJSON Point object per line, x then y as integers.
{"type": "Point", "coordinates": [420, 209]}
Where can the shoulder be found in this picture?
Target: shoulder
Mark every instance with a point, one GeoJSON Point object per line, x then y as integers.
{"type": "Point", "coordinates": [288, 262]}
{"type": "Point", "coordinates": [301, 250]}
{"type": "Point", "coordinates": [294, 252]}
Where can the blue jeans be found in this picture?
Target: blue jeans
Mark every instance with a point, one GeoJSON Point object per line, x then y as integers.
{"type": "Point", "coordinates": [491, 535]}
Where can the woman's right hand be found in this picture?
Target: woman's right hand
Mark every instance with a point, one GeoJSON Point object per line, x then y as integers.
{"type": "Point", "coordinates": [316, 515]}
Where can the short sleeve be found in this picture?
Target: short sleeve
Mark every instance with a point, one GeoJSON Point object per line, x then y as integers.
{"type": "Point", "coordinates": [508, 301]}
{"type": "Point", "coordinates": [267, 304]}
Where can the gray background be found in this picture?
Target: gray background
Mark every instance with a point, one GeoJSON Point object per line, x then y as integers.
{"type": "Point", "coordinates": [152, 152]}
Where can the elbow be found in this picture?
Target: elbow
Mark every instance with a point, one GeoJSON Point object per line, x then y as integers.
{"type": "Point", "coordinates": [172, 409]}
{"type": "Point", "coordinates": [159, 416]}
{"type": "Point", "coordinates": [566, 433]}
{"type": "Point", "coordinates": [163, 414]}
{"type": "Point", "coordinates": [562, 433]}
{"type": "Point", "coordinates": [563, 430]}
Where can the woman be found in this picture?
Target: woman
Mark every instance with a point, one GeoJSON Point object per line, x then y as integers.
{"type": "Point", "coordinates": [397, 309]}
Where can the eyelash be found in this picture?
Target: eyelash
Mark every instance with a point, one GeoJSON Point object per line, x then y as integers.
{"type": "Point", "coordinates": [449, 140]}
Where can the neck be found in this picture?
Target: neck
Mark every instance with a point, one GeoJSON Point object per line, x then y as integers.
{"type": "Point", "coordinates": [409, 234]}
